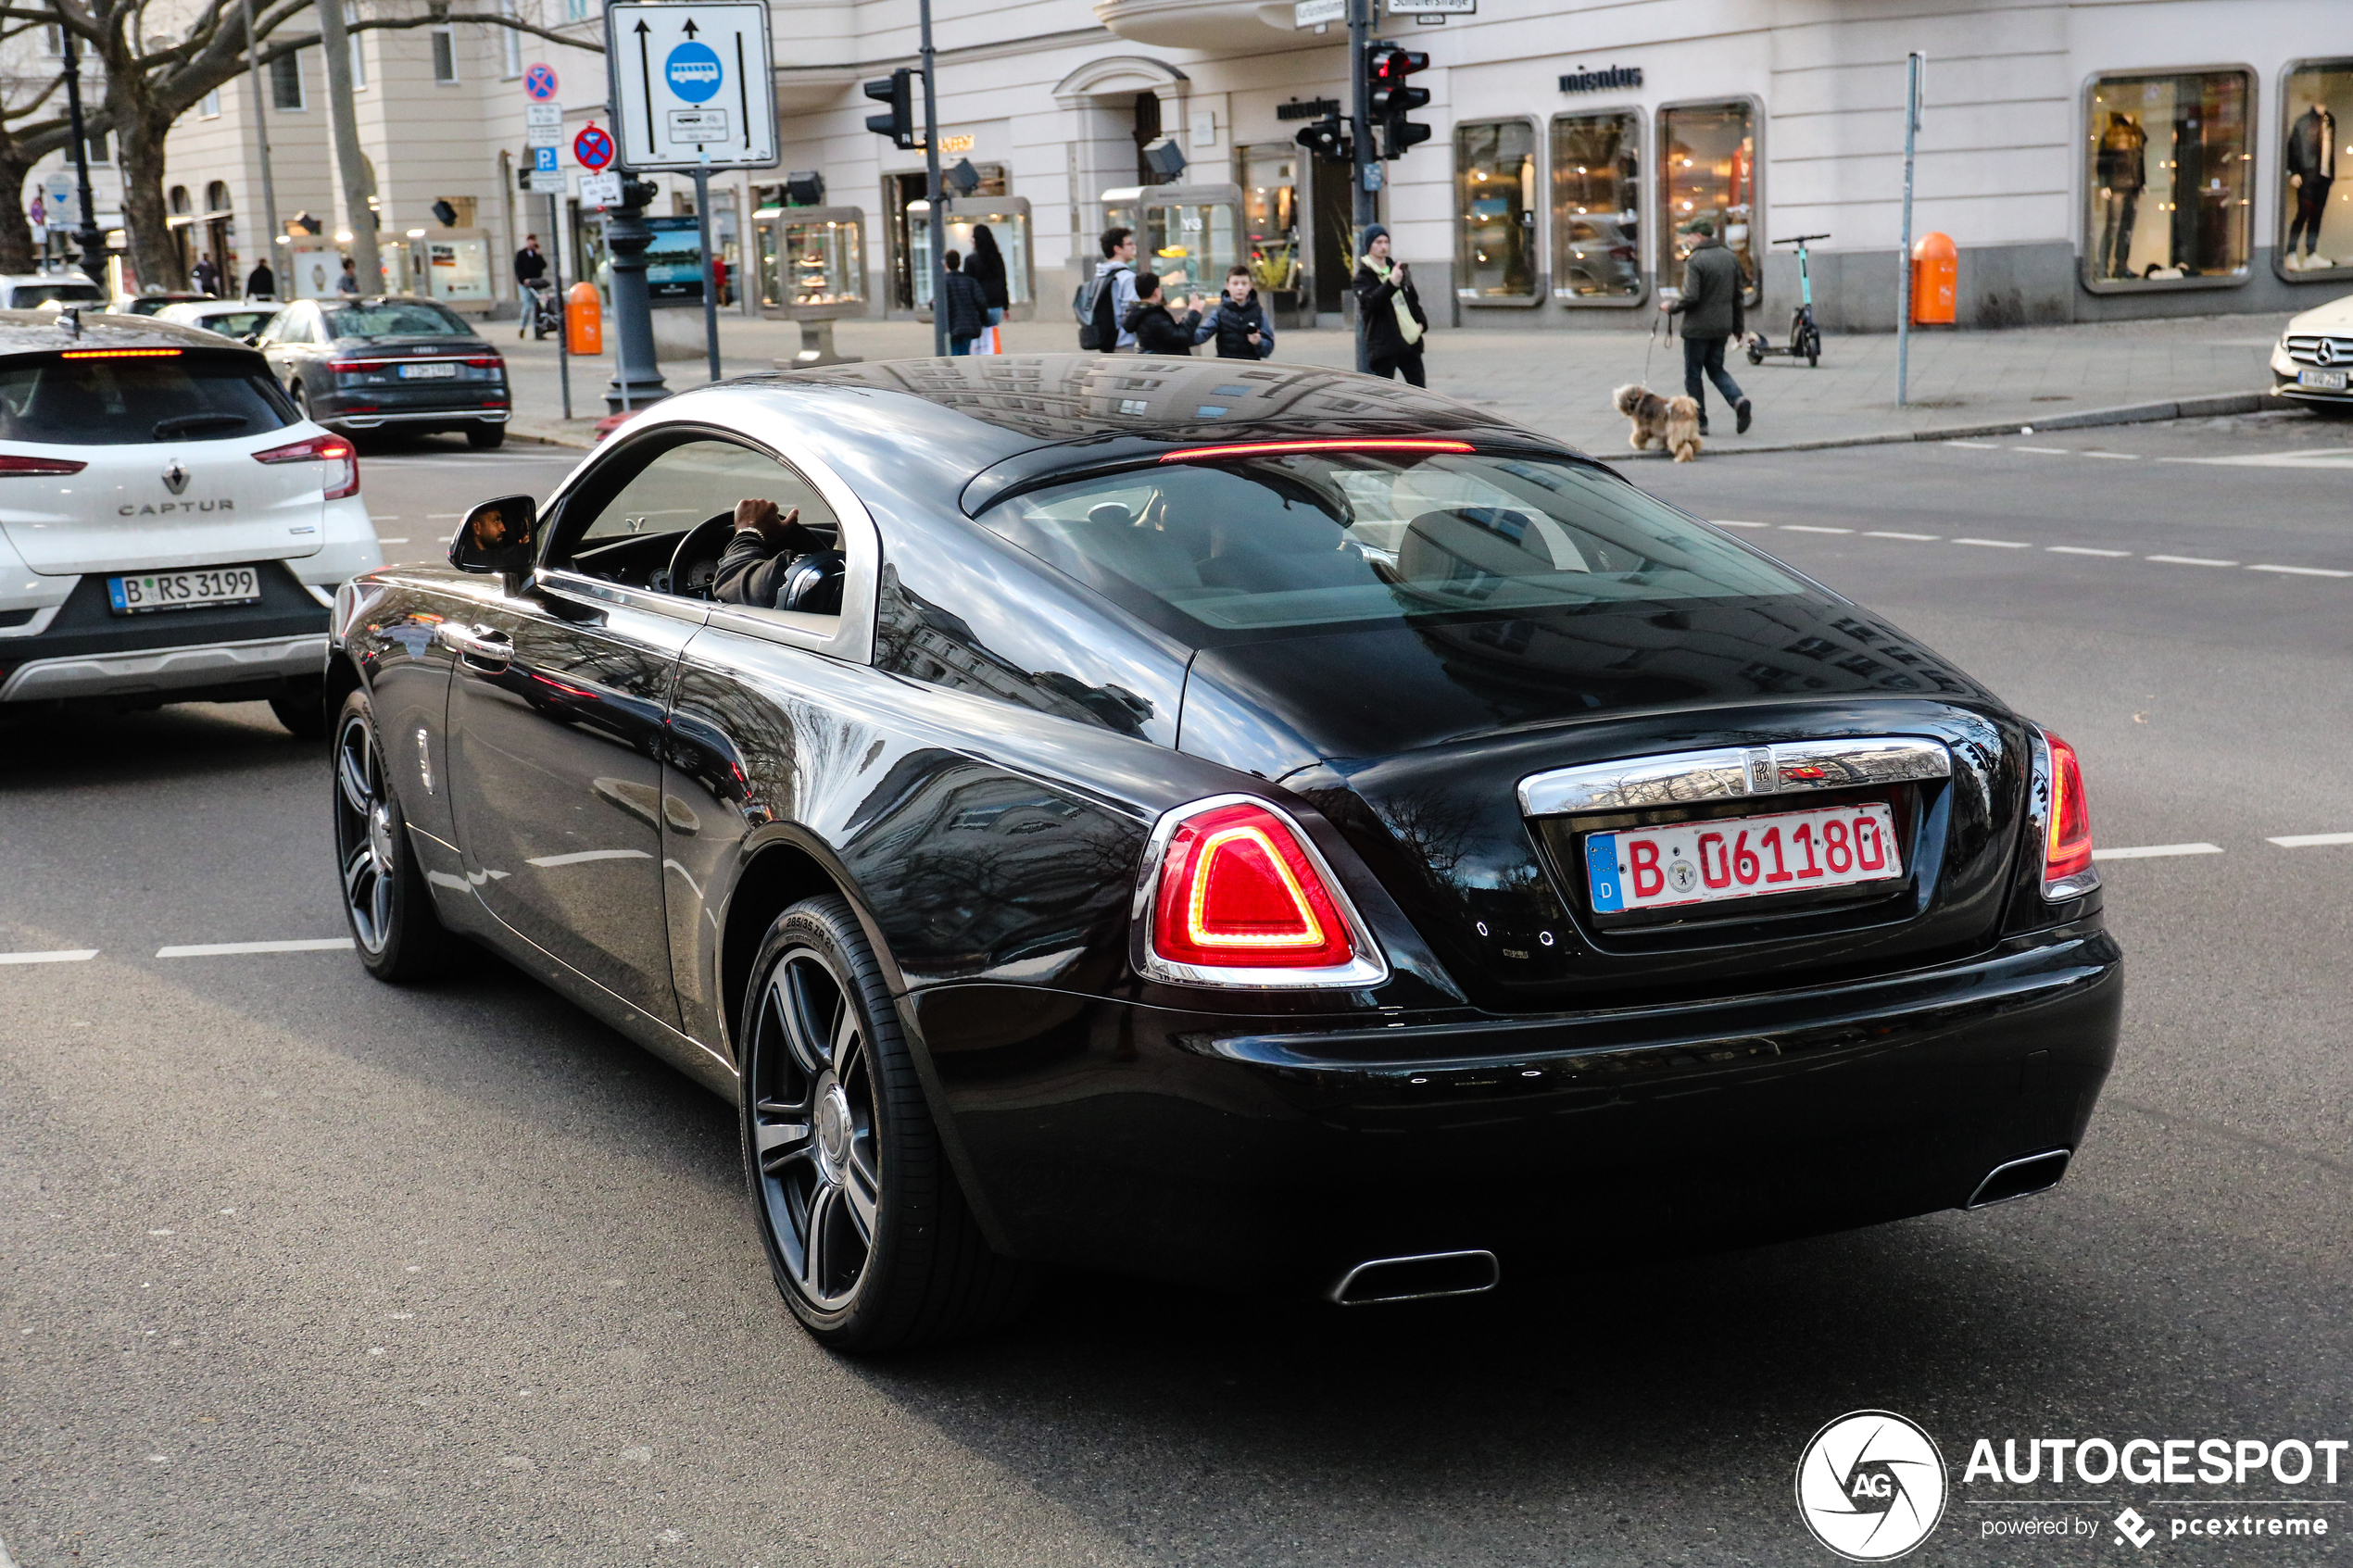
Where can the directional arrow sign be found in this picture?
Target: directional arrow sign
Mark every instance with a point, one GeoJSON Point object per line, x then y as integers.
{"type": "Point", "coordinates": [693, 85]}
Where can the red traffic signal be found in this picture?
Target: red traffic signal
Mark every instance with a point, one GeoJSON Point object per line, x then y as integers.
{"type": "Point", "coordinates": [1387, 65]}
{"type": "Point", "coordinates": [1386, 68]}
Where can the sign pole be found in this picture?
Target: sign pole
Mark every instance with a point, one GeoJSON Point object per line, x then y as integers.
{"type": "Point", "coordinates": [1367, 209]}
{"type": "Point", "coordinates": [261, 142]}
{"type": "Point", "coordinates": [1914, 66]}
{"type": "Point", "coordinates": [933, 195]}
{"type": "Point", "coordinates": [709, 269]}
{"type": "Point", "coordinates": [563, 317]}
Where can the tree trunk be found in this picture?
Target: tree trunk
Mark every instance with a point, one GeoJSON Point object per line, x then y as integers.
{"type": "Point", "coordinates": [145, 214]}
{"type": "Point", "coordinates": [16, 229]}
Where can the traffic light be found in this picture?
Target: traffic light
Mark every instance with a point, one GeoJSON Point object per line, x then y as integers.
{"type": "Point", "coordinates": [1326, 138]}
{"type": "Point", "coordinates": [897, 90]}
{"type": "Point", "coordinates": [1386, 68]}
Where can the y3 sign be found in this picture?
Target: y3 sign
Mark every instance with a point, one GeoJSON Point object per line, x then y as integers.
{"type": "Point", "coordinates": [692, 84]}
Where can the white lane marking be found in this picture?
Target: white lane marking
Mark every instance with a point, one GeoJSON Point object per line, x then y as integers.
{"type": "Point", "coordinates": [2155, 851]}
{"type": "Point", "coordinates": [2084, 550]}
{"type": "Point", "coordinates": [386, 516]}
{"type": "Point", "coordinates": [63, 955]}
{"type": "Point", "coordinates": [442, 517]}
{"type": "Point", "coordinates": [2115, 457]}
{"type": "Point", "coordinates": [1812, 528]}
{"type": "Point", "coordinates": [2190, 560]}
{"type": "Point", "coordinates": [1728, 522]}
{"type": "Point", "coordinates": [1976, 445]}
{"type": "Point", "coordinates": [1997, 543]}
{"type": "Point", "coordinates": [225, 950]}
{"type": "Point", "coordinates": [2312, 840]}
{"type": "Point", "coordinates": [381, 540]}
{"type": "Point", "coordinates": [2310, 457]}
{"type": "Point", "coordinates": [2045, 451]}
{"type": "Point", "coordinates": [2304, 571]}
{"type": "Point", "coordinates": [1891, 533]}
{"type": "Point", "coordinates": [585, 855]}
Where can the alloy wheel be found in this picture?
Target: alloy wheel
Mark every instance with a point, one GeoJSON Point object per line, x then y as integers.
{"type": "Point", "coordinates": [813, 1127]}
{"type": "Point", "coordinates": [364, 832]}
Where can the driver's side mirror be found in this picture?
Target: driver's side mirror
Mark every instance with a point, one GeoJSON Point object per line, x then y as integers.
{"type": "Point", "coordinates": [499, 536]}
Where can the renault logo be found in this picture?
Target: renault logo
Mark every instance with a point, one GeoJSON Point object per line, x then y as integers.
{"type": "Point", "coordinates": [2326, 351]}
{"type": "Point", "coordinates": [175, 478]}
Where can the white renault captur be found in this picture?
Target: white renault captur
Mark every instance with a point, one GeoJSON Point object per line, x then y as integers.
{"type": "Point", "coordinates": [172, 529]}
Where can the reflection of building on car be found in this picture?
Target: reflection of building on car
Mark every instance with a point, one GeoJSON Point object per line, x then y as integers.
{"type": "Point", "coordinates": [170, 528]}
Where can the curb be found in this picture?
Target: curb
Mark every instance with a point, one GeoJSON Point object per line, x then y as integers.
{"type": "Point", "coordinates": [2206, 407]}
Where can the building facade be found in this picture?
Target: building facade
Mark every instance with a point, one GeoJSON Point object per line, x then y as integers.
{"type": "Point", "coordinates": [2091, 159]}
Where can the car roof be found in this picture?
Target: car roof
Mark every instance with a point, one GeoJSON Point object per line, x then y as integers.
{"type": "Point", "coordinates": [14, 278]}
{"type": "Point", "coordinates": [24, 332]}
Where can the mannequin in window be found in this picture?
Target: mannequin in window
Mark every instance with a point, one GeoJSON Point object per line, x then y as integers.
{"type": "Point", "coordinates": [2122, 170]}
{"type": "Point", "coordinates": [2312, 170]}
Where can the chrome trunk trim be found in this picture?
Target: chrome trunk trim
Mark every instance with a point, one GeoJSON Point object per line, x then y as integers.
{"type": "Point", "coordinates": [1733, 772]}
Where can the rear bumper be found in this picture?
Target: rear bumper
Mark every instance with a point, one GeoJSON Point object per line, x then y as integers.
{"type": "Point", "coordinates": [270, 662]}
{"type": "Point", "coordinates": [85, 651]}
{"type": "Point", "coordinates": [438, 416]}
{"type": "Point", "coordinates": [1247, 1153]}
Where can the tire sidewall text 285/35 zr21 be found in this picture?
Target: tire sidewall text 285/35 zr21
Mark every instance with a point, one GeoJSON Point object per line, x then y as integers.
{"type": "Point", "coordinates": [836, 1131]}
{"type": "Point", "coordinates": [385, 901]}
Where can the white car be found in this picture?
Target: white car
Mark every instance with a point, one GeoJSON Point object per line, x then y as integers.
{"type": "Point", "coordinates": [28, 291]}
{"type": "Point", "coordinates": [171, 530]}
{"type": "Point", "coordinates": [239, 319]}
{"type": "Point", "coordinates": [2314, 362]}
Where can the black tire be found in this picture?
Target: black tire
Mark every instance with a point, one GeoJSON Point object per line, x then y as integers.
{"type": "Point", "coordinates": [1756, 351]}
{"type": "Point", "coordinates": [302, 708]}
{"type": "Point", "coordinates": [839, 1145]}
{"type": "Point", "coordinates": [386, 903]}
{"type": "Point", "coordinates": [485, 438]}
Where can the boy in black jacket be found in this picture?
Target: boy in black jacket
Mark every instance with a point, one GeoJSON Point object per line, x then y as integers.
{"type": "Point", "coordinates": [1238, 322]}
{"type": "Point", "coordinates": [1157, 330]}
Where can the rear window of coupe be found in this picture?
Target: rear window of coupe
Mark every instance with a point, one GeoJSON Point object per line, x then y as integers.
{"type": "Point", "coordinates": [104, 402]}
{"type": "Point", "coordinates": [1261, 543]}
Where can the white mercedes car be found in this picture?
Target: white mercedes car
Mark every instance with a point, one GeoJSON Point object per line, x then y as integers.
{"type": "Point", "coordinates": [171, 530]}
{"type": "Point", "coordinates": [2313, 360]}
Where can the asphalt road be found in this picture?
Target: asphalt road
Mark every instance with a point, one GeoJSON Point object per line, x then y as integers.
{"type": "Point", "coordinates": [302, 1268]}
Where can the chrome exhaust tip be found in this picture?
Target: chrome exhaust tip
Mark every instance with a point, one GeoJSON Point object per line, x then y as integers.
{"type": "Point", "coordinates": [2020, 1178]}
{"type": "Point", "coordinates": [1417, 1278]}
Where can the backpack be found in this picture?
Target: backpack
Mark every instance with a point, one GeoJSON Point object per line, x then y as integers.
{"type": "Point", "coordinates": [1098, 329]}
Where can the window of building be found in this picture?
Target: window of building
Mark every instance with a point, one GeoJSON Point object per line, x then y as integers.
{"type": "Point", "coordinates": [2316, 208]}
{"type": "Point", "coordinates": [576, 10]}
{"type": "Point", "coordinates": [2169, 170]}
{"type": "Point", "coordinates": [98, 147]}
{"type": "Point", "coordinates": [1270, 215]}
{"type": "Point", "coordinates": [1597, 235]}
{"type": "Point", "coordinates": [53, 39]}
{"type": "Point", "coordinates": [285, 82]}
{"type": "Point", "coordinates": [1708, 169]}
{"type": "Point", "coordinates": [445, 48]}
{"type": "Point", "coordinates": [509, 44]}
{"type": "Point", "coordinates": [209, 107]}
{"type": "Point", "coordinates": [1496, 207]}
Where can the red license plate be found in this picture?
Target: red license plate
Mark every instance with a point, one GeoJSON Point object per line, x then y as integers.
{"type": "Point", "coordinates": [1741, 858]}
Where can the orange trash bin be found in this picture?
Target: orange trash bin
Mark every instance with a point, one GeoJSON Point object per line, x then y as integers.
{"type": "Point", "coordinates": [1935, 267]}
{"type": "Point", "coordinates": [583, 319]}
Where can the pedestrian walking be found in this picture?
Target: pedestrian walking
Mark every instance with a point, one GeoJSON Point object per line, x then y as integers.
{"type": "Point", "coordinates": [349, 282]}
{"type": "Point", "coordinates": [986, 266]}
{"type": "Point", "coordinates": [963, 306]}
{"type": "Point", "coordinates": [1711, 312]}
{"type": "Point", "coordinates": [261, 282]}
{"type": "Point", "coordinates": [1390, 308]}
{"type": "Point", "coordinates": [1105, 300]}
{"type": "Point", "coordinates": [1154, 325]}
{"type": "Point", "coordinates": [1237, 323]}
{"type": "Point", "coordinates": [206, 275]}
{"type": "Point", "coordinates": [530, 265]}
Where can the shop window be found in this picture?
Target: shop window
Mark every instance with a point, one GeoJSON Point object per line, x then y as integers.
{"type": "Point", "coordinates": [2168, 168]}
{"type": "Point", "coordinates": [1495, 207]}
{"type": "Point", "coordinates": [1708, 169]}
{"type": "Point", "coordinates": [2316, 208]}
{"type": "Point", "coordinates": [1597, 238]}
{"type": "Point", "coordinates": [1270, 216]}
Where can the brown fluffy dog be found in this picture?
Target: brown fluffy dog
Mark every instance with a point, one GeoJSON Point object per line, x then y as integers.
{"type": "Point", "coordinates": [1673, 422]}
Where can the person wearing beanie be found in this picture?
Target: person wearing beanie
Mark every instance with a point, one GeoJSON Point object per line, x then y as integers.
{"type": "Point", "coordinates": [1390, 308]}
{"type": "Point", "coordinates": [1711, 312]}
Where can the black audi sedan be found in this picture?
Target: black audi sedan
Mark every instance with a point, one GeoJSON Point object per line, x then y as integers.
{"type": "Point", "coordinates": [357, 364]}
{"type": "Point", "coordinates": [1265, 828]}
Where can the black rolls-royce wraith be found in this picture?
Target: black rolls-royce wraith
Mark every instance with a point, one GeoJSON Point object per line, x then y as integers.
{"type": "Point", "coordinates": [1262, 827]}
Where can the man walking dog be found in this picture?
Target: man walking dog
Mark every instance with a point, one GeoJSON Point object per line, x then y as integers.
{"type": "Point", "coordinates": [1711, 312]}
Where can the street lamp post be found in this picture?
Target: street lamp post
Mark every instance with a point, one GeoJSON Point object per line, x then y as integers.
{"type": "Point", "coordinates": [92, 242]}
{"type": "Point", "coordinates": [933, 195]}
{"type": "Point", "coordinates": [261, 137]}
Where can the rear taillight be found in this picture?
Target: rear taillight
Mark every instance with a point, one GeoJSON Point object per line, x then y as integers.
{"type": "Point", "coordinates": [30, 467]}
{"type": "Point", "coordinates": [1236, 894]}
{"type": "Point", "coordinates": [486, 362]}
{"type": "Point", "coordinates": [2067, 823]}
{"type": "Point", "coordinates": [342, 477]}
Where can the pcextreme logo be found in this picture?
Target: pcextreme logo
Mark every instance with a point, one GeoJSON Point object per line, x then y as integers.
{"type": "Point", "coordinates": [1870, 1485]}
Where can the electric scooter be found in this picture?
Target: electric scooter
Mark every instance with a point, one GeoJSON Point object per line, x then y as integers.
{"type": "Point", "coordinates": [1804, 337]}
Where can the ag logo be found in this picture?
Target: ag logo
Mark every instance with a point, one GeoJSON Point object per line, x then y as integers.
{"type": "Point", "coordinates": [1870, 1485]}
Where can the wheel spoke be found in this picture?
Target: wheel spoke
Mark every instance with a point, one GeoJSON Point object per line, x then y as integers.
{"type": "Point", "coordinates": [816, 1245]}
{"type": "Point", "coordinates": [361, 865]}
{"type": "Point", "coordinates": [846, 1037]}
{"type": "Point", "coordinates": [379, 906]}
{"type": "Point", "coordinates": [795, 1006]}
{"type": "Point", "coordinates": [349, 773]}
{"type": "Point", "coordinates": [778, 1144]}
{"type": "Point", "coordinates": [859, 1195]}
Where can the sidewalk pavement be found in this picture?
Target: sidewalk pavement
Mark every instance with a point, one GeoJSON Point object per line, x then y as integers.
{"type": "Point", "coordinates": [1961, 383]}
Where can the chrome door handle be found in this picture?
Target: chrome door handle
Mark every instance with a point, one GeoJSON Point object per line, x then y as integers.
{"type": "Point", "coordinates": [485, 650]}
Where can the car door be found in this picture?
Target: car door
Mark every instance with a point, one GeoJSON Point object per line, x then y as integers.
{"type": "Point", "coordinates": [557, 723]}
{"type": "Point", "coordinates": [282, 342]}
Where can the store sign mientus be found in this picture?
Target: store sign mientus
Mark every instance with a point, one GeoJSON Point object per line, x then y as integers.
{"type": "Point", "coordinates": [1602, 81]}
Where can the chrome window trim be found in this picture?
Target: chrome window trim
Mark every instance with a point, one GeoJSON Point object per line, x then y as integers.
{"type": "Point", "coordinates": [1733, 772]}
{"type": "Point", "coordinates": [1369, 968]}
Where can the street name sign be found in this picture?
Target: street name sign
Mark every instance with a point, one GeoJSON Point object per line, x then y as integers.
{"type": "Point", "coordinates": [1318, 13]}
{"type": "Point", "coordinates": [1433, 7]}
{"type": "Point", "coordinates": [693, 85]}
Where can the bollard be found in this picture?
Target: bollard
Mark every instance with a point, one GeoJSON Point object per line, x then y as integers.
{"type": "Point", "coordinates": [583, 319]}
{"type": "Point", "coordinates": [1936, 266]}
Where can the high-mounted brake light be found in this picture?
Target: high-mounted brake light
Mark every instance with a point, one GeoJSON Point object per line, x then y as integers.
{"type": "Point", "coordinates": [342, 477]}
{"type": "Point", "coordinates": [2067, 830]}
{"type": "Point", "coordinates": [1279, 448]}
{"type": "Point", "coordinates": [1235, 895]}
{"type": "Point", "coordinates": [12, 468]}
{"type": "Point", "coordinates": [121, 354]}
